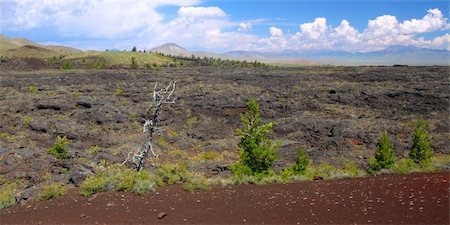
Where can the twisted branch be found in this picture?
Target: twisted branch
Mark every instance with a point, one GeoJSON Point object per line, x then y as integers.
{"type": "Point", "coordinates": [160, 97]}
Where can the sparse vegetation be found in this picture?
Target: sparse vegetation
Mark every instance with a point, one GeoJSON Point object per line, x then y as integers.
{"type": "Point", "coordinates": [102, 112]}
{"type": "Point", "coordinates": [67, 65]}
{"type": "Point", "coordinates": [33, 89]}
{"type": "Point", "coordinates": [210, 155]}
{"type": "Point", "coordinates": [60, 148]}
{"type": "Point", "coordinates": [119, 91]}
{"type": "Point", "coordinates": [52, 190]}
{"type": "Point", "coordinates": [172, 173]}
{"type": "Point", "coordinates": [196, 181]}
{"type": "Point", "coordinates": [94, 184]}
{"type": "Point", "coordinates": [7, 195]}
{"type": "Point", "coordinates": [139, 182]}
{"type": "Point", "coordinates": [27, 120]}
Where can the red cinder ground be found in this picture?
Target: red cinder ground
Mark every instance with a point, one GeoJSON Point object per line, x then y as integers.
{"type": "Point", "coordinates": [421, 198]}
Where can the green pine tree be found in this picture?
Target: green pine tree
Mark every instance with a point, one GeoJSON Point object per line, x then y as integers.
{"type": "Point", "coordinates": [385, 153]}
{"type": "Point", "coordinates": [302, 162]}
{"type": "Point", "coordinates": [257, 152]}
{"type": "Point", "coordinates": [421, 150]}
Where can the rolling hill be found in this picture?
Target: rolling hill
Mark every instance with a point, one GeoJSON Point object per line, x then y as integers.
{"type": "Point", "coordinates": [7, 43]}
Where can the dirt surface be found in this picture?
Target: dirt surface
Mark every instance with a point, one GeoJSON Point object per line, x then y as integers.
{"type": "Point", "coordinates": [387, 199]}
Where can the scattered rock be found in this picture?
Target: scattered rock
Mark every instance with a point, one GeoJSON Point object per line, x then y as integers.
{"type": "Point", "coordinates": [4, 150]}
{"type": "Point", "coordinates": [39, 126]}
{"type": "Point", "coordinates": [161, 215]}
{"type": "Point", "coordinates": [27, 193]}
{"type": "Point", "coordinates": [48, 106]}
{"type": "Point", "coordinates": [79, 175]}
{"type": "Point", "coordinates": [83, 104]}
{"type": "Point", "coordinates": [318, 178]}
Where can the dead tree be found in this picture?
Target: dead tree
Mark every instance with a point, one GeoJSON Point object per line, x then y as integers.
{"type": "Point", "coordinates": [160, 97]}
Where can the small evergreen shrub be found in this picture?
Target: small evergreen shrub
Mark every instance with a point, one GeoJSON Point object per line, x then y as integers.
{"type": "Point", "coordinates": [59, 149]}
{"type": "Point", "coordinates": [257, 152]}
{"type": "Point", "coordinates": [384, 155]}
{"type": "Point", "coordinates": [134, 64]}
{"type": "Point", "coordinates": [67, 65]}
{"type": "Point", "coordinates": [299, 167]}
{"type": "Point", "coordinates": [421, 150]}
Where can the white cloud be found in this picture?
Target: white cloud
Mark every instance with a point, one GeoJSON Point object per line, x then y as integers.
{"type": "Point", "coordinates": [441, 42]}
{"type": "Point", "coordinates": [433, 21]}
{"type": "Point", "coordinates": [315, 29]}
{"type": "Point", "coordinates": [381, 32]}
{"type": "Point", "coordinates": [91, 18]}
{"type": "Point", "coordinates": [275, 32]}
{"type": "Point", "coordinates": [200, 12]}
{"type": "Point", "coordinates": [245, 26]}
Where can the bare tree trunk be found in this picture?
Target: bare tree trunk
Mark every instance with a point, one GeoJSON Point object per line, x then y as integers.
{"type": "Point", "coordinates": [160, 97]}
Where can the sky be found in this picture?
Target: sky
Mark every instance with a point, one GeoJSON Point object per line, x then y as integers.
{"type": "Point", "coordinates": [230, 25]}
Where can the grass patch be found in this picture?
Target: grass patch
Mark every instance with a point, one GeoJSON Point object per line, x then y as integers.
{"type": "Point", "coordinates": [351, 169]}
{"type": "Point", "coordinates": [119, 91]}
{"type": "Point", "coordinates": [93, 150]}
{"type": "Point", "coordinates": [27, 120]}
{"type": "Point", "coordinates": [33, 89]}
{"type": "Point", "coordinates": [120, 179]}
{"type": "Point", "coordinates": [52, 190]}
{"type": "Point", "coordinates": [172, 173]}
{"type": "Point", "coordinates": [196, 181]}
{"type": "Point", "coordinates": [7, 195]}
{"type": "Point", "coordinates": [210, 155]}
{"type": "Point", "coordinates": [94, 184]}
{"type": "Point", "coordinates": [177, 153]}
{"type": "Point", "coordinates": [131, 181]}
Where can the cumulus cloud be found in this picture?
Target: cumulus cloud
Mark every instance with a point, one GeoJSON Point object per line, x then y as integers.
{"type": "Point", "coordinates": [315, 29]}
{"type": "Point", "coordinates": [275, 32]}
{"type": "Point", "coordinates": [91, 18]}
{"type": "Point", "coordinates": [381, 32]}
{"type": "Point", "coordinates": [200, 12]}
{"type": "Point", "coordinates": [433, 21]}
{"type": "Point", "coordinates": [245, 26]}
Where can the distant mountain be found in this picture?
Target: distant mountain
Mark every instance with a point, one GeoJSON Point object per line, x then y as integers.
{"type": "Point", "coordinates": [172, 49]}
{"type": "Point", "coordinates": [408, 55]}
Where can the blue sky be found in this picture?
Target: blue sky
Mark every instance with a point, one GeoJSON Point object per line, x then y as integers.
{"type": "Point", "coordinates": [230, 25]}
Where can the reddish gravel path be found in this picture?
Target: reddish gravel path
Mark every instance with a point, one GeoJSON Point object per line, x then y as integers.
{"type": "Point", "coordinates": [390, 199]}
